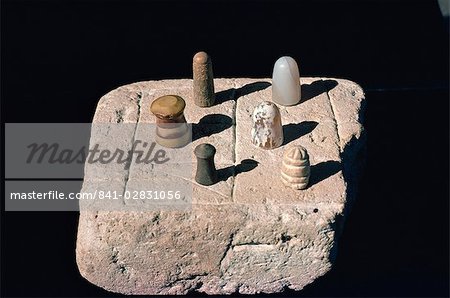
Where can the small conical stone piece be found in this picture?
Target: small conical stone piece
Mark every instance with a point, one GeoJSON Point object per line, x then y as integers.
{"type": "Point", "coordinates": [206, 170]}
{"type": "Point", "coordinates": [267, 130]}
{"type": "Point", "coordinates": [172, 130]}
{"type": "Point", "coordinates": [295, 168]}
{"type": "Point", "coordinates": [203, 80]}
{"type": "Point", "coordinates": [286, 82]}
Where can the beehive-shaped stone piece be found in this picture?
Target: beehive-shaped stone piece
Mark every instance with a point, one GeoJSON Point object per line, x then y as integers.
{"type": "Point", "coordinates": [295, 168]}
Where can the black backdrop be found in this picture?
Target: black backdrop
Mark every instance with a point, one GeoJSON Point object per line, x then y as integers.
{"type": "Point", "coordinates": [59, 57]}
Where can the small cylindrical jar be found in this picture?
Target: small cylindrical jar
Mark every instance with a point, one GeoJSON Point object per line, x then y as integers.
{"type": "Point", "coordinates": [172, 130]}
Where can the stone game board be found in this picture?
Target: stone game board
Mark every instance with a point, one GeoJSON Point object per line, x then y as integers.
{"type": "Point", "coordinates": [248, 233]}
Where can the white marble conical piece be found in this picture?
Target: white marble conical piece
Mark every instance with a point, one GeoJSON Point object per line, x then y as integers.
{"type": "Point", "coordinates": [267, 130]}
{"type": "Point", "coordinates": [286, 82]}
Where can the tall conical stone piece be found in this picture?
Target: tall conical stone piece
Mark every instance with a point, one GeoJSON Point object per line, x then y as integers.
{"type": "Point", "coordinates": [286, 82]}
{"type": "Point", "coordinates": [172, 130]}
{"type": "Point", "coordinates": [203, 80]}
{"type": "Point", "coordinates": [206, 170]}
{"type": "Point", "coordinates": [267, 130]}
{"type": "Point", "coordinates": [295, 168]}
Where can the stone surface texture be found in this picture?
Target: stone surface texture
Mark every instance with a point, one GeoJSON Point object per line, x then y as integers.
{"type": "Point", "coordinates": [248, 233]}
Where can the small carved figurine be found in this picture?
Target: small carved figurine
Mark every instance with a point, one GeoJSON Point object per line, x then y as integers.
{"type": "Point", "coordinates": [172, 130]}
{"type": "Point", "coordinates": [267, 130]}
{"type": "Point", "coordinates": [295, 169]}
{"type": "Point", "coordinates": [203, 80]}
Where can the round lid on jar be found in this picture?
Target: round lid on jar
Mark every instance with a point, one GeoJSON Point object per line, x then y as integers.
{"type": "Point", "coordinates": [168, 106]}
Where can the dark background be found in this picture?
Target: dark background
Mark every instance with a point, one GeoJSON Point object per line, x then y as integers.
{"type": "Point", "coordinates": [58, 58]}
